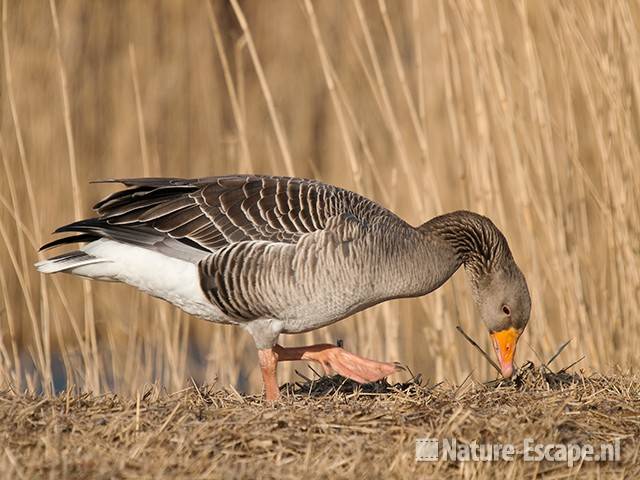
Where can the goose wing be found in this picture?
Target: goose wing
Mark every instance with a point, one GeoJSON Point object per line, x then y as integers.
{"type": "Point", "coordinates": [210, 213]}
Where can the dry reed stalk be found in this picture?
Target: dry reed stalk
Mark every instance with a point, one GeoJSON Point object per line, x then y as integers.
{"type": "Point", "coordinates": [413, 114]}
{"type": "Point", "coordinates": [245, 159]}
{"type": "Point", "coordinates": [479, 348]}
{"type": "Point", "coordinates": [41, 364]}
{"type": "Point", "coordinates": [328, 73]}
{"type": "Point", "coordinates": [8, 307]}
{"type": "Point", "coordinates": [529, 115]}
{"type": "Point", "coordinates": [14, 206]}
{"type": "Point", "coordinates": [12, 368]}
{"type": "Point", "coordinates": [364, 144]}
{"type": "Point", "coordinates": [89, 317]}
{"type": "Point", "coordinates": [280, 136]}
{"type": "Point", "coordinates": [144, 150]}
{"type": "Point", "coordinates": [594, 341]}
{"type": "Point", "coordinates": [416, 16]}
{"type": "Point", "coordinates": [132, 350]}
{"type": "Point", "coordinates": [42, 338]}
{"type": "Point", "coordinates": [29, 236]}
{"type": "Point", "coordinates": [388, 112]}
{"type": "Point", "coordinates": [369, 76]}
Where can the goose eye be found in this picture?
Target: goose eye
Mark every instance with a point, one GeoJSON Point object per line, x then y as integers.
{"type": "Point", "coordinates": [506, 310]}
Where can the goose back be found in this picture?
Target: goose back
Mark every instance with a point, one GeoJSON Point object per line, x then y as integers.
{"type": "Point", "coordinates": [214, 212]}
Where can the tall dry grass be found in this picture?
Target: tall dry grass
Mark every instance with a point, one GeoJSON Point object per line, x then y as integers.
{"type": "Point", "coordinates": [525, 111]}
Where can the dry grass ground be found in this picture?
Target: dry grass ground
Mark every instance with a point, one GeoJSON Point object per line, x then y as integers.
{"type": "Point", "coordinates": [324, 430]}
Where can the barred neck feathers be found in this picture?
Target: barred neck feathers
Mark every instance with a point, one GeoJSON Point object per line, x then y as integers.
{"type": "Point", "coordinates": [476, 242]}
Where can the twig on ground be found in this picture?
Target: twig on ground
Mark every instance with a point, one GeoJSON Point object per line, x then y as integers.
{"type": "Point", "coordinates": [572, 364]}
{"type": "Point", "coordinates": [562, 347]}
{"type": "Point", "coordinates": [479, 348]}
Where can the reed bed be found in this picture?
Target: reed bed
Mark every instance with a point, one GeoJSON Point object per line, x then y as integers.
{"type": "Point", "coordinates": [524, 111]}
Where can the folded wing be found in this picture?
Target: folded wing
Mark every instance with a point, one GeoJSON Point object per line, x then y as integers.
{"type": "Point", "coordinates": [179, 215]}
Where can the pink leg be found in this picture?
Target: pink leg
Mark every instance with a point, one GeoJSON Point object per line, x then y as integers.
{"type": "Point", "coordinates": [268, 363]}
{"type": "Point", "coordinates": [336, 359]}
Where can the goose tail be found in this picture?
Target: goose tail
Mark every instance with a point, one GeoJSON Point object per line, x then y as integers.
{"type": "Point", "coordinates": [67, 261]}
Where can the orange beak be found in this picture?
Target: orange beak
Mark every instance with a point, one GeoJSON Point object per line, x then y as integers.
{"type": "Point", "coordinates": [504, 343]}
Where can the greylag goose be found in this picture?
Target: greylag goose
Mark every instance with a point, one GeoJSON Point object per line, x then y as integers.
{"type": "Point", "coordinates": [287, 255]}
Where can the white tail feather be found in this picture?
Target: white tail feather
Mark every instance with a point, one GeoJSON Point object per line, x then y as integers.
{"type": "Point", "coordinates": [67, 261]}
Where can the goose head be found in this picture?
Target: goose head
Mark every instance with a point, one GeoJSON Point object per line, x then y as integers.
{"type": "Point", "coordinates": [499, 288]}
{"type": "Point", "coordinates": [504, 304]}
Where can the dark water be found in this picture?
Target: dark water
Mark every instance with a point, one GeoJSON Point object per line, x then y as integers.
{"type": "Point", "coordinates": [195, 368]}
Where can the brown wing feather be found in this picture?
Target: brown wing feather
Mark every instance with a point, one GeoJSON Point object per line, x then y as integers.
{"type": "Point", "coordinates": [216, 211]}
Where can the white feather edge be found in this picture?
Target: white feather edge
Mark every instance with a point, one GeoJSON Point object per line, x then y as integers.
{"type": "Point", "coordinates": [61, 265]}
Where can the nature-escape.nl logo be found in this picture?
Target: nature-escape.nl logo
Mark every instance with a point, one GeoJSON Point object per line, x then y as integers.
{"type": "Point", "coordinates": [433, 449]}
